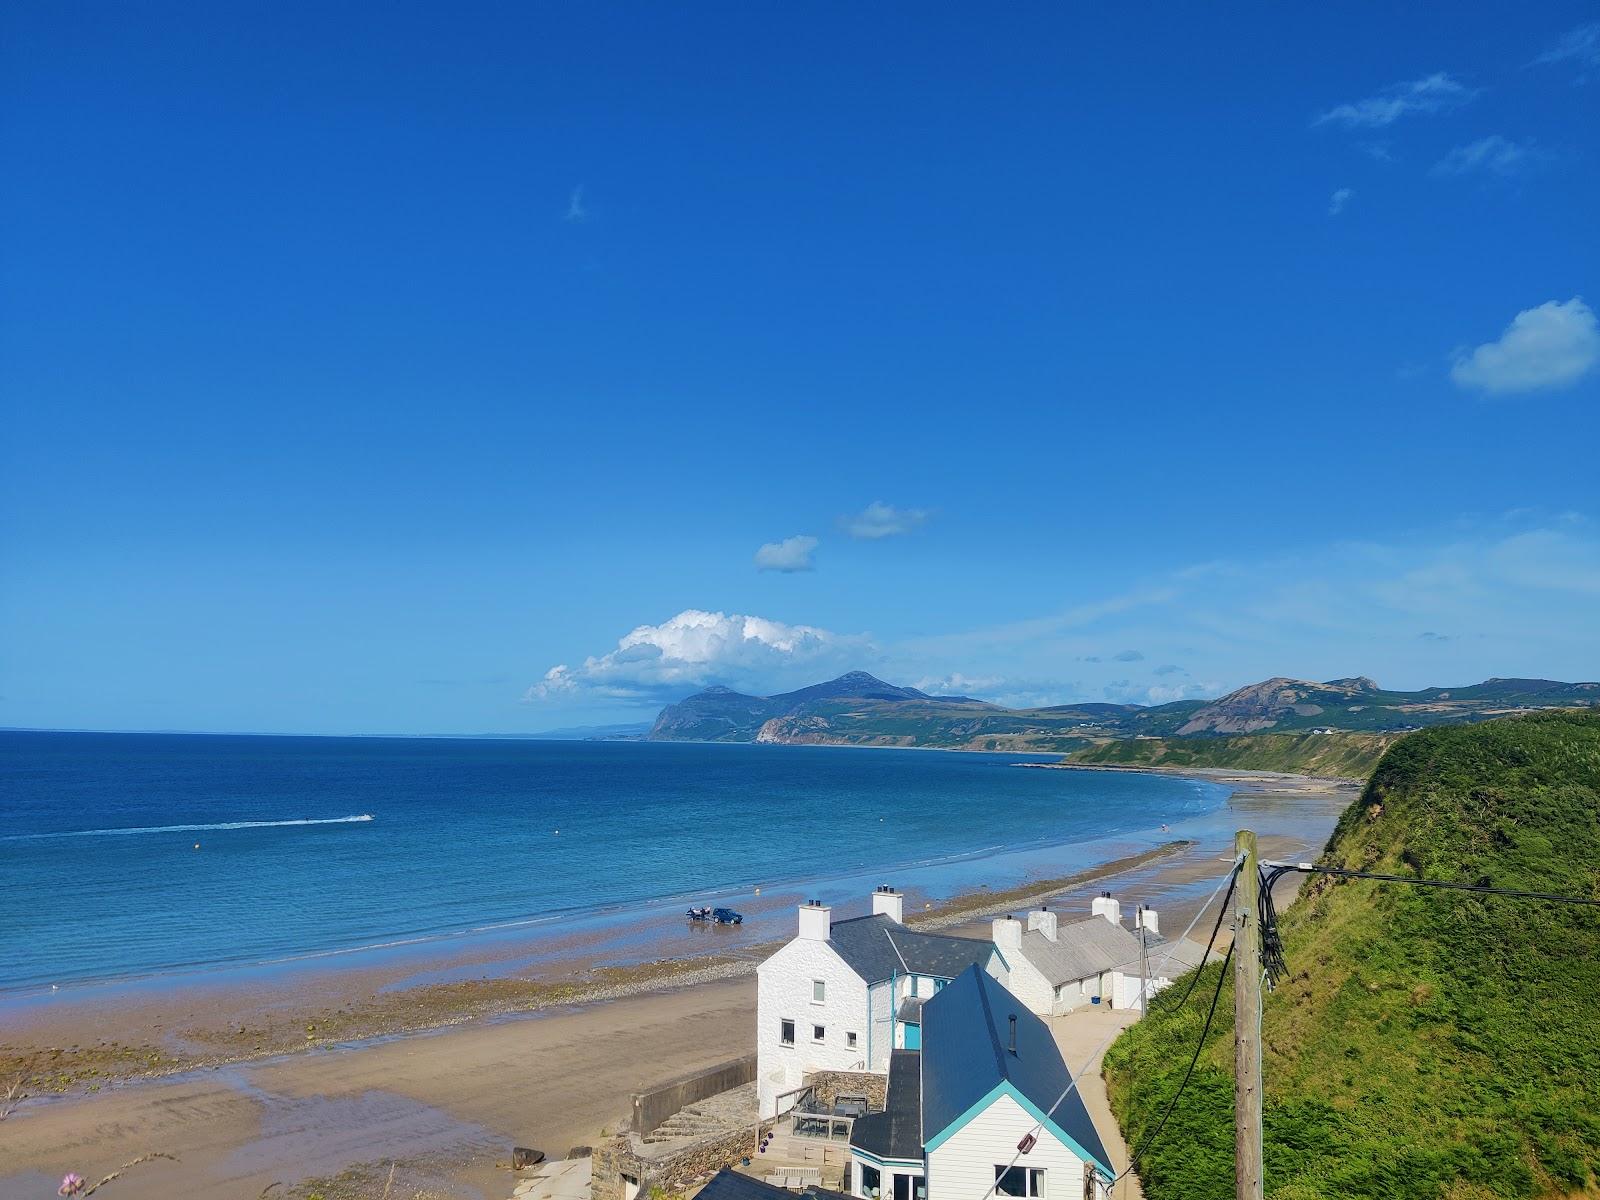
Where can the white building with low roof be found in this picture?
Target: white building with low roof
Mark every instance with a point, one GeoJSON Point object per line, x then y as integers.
{"type": "Point", "coordinates": [1056, 967]}
{"type": "Point", "coordinates": [843, 995]}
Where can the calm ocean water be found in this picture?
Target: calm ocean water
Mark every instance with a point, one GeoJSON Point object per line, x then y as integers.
{"type": "Point", "coordinates": [311, 844]}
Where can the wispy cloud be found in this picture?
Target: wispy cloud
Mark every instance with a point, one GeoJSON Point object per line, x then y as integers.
{"type": "Point", "coordinates": [575, 209]}
{"type": "Point", "coordinates": [1580, 46]}
{"type": "Point", "coordinates": [1128, 656]}
{"type": "Point", "coordinates": [1551, 346]}
{"type": "Point", "coordinates": [1493, 154]}
{"type": "Point", "coordinates": [1339, 200]}
{"type": "Point", "coordinates": [1169, 669]}
{"type": "Point", "coordinates": [1430, 94]}
{"type": "Point", "coordinates": [880, 520]}
{"type": "Point", "coordinates": [790, 555]}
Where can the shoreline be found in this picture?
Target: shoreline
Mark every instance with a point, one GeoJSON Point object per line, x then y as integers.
{"type": "Point", "coordinates": [61, 1071]}
{"type": "Point", "coordinates": [256, 1085]}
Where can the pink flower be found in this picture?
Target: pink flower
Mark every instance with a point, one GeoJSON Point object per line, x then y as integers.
{"type": "Point", "coordinates": [71, 1184]}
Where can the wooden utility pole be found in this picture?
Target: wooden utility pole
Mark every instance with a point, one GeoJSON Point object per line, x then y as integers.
{"type": "Point", "coordinates": [1246, 1027]}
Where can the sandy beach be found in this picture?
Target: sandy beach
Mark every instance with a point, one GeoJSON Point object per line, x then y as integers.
{"type": "Point", "coordinates": [318, 1080]}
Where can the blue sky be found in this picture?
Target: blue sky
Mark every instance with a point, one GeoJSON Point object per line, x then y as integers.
{"type": "Point", "coordinates": [421, 374]}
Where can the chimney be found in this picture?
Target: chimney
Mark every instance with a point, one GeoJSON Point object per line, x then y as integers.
{"type": "Point", "coordinates": [816, 921]}
{"type": "Point", "coordinates": [1105, 906]}
{"type": "Point", "coordinates": [1044, 921]}
{"type": "Point", "coordinates": [890, 903]}
{"type": "Point", "coordinates": [1145, 918]}
{"type": "Point", "coordinates": [1007, 933]}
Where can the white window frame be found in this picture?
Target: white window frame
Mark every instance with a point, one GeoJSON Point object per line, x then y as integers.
{"type": "Point", "coordinates": [850, 1039]}
{"type": "Point", "coordinates": [792, 1028]}
{"type": "Point", "coordinates": [819, 1033]}
{"type": "Point", "coordinates": [819, 991]}
{"type": "Point", "coordinates": [1034, 1184]}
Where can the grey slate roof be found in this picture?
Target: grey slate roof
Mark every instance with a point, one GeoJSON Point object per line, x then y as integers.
{"type": "Point", "coordinates": [728, 1184]}
{"type": "Point", "coordinates": [1082, 949]}
{"type": "Point", "coordinates": [877, 948]}
{"type": "Point", "coordinates": [965, 1055]}
{"type": "Point", "coordinates": [910, 1010]}
{"type": "Point", "coordinates": [896, 1132]}
{"type": "Point", "coordinates": [1170, 959]}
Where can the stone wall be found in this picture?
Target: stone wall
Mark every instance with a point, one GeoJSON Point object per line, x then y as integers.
{"type": "Point", "coordinates": [651, 1108]}
{"type": "Point", "coordinates": [830, 1085]}
{"type": "Point", "coordinates": [675, 1172]}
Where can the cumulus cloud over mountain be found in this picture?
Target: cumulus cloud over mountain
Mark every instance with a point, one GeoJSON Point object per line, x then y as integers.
{"type": "Point", "coordinates": [697, 649]}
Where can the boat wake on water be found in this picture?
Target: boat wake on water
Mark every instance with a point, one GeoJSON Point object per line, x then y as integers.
{"type": "Point", "coordinates": [66, 833]}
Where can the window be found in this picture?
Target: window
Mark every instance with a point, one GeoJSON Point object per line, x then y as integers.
{"type": "Point", "coordinates": [1026, 1183]}
{"type": "Point", "coordinates": [913, 985]}
{"type": "Point", "coordinates": [786, 1032]}
{"type": "Point", "coordinates": [871, 1180]}
{"type": "Point", "coordinates": [938, 984]}
{"type": "Point", "coordinates": [850, 1041]}
{"type": "Point", "coordinates": [819, 1033]}
{"type": "Point", "coordinates": [819, 991]}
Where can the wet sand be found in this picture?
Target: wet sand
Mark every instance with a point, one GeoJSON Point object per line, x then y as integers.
{"type": "Point", "coordinates": [512, 1061]}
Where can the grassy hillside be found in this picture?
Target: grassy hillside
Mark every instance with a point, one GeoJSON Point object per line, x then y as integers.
{"type": "Point", "coordinates": [1427, 1044]}
{"type": "Point", "coordinates": [1333, 754]}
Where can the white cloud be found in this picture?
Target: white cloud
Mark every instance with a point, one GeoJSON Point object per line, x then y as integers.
{"type": "Point", "coordinates": [790, 555]}
{"type": "Point", "coordinates": [1430, 94]}
{"type": "Point", "coordinates": [1580, 45]}
{"type": "Point", "coordinates": [1338, 201]}
{"type": "Point", "coordinates": [1128, 656]}
{"type": "Point", "coordinates": [696, 649]}
{"type": "Point", "coordinates": [1551, 346]}
{"type": "Point", "coordinates": [575, 209]}
{"type": "Point", "coordinates": [1495, 154]}
{"type": "Point", "coordinates": [880, 520]}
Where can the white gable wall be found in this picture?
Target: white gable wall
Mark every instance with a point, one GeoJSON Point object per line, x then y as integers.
{"type": "Point", "coordinates": [962, 1167]}
{"type": "Point", "coordinates": [784, 990]}
{"type": "Point", "coordinates": [1029, 985]}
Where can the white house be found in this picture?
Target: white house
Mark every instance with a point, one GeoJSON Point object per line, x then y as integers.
{"type": "Point", "coordinates": [959, 1111]}
{"type": "Point", "coordinates": [1057, 967]}
{"type": "Point", "coordinates": [844, 994]}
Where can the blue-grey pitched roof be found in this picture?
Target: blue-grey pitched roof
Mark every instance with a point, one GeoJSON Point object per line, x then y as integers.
{"type": "Point", "coordinates": [728, 1184]}
{"type": "Point", "coordinates": [966, 1054]}
{"type": "Point", "coordinates": [896, 1132]}
{"type": "Point", "coordinates": [877, 948]}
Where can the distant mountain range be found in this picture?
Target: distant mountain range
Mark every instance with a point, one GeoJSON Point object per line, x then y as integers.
{"type": "Point", "coordinates": [858, 709]}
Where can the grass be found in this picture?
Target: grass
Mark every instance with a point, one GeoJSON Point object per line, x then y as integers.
{"type": "Point", "coordinates": [1347, 755]}
{"type": "Point", "coordinates": [1428, 1045]}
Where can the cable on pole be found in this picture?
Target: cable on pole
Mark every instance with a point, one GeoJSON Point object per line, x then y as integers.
{"type": "Point", "coordinates": [1199, 1047]}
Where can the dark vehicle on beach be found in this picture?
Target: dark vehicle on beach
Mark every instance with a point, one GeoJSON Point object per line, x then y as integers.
{"type": "Point", "coordinates": [716, 916]}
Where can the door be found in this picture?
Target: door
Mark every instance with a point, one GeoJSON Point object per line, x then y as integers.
{"type": "Point", "coordinates": [913, 1036]}
{"type": "Point", "coordinates": [902, 1187]}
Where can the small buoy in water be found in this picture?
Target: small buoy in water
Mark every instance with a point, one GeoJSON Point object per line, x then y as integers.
{"type": "Point", "coordinates": [197, 845]}
{"type": "Point", "coordinates": [758, 891]}
{"type": "Point", "coordinates": [557, 833]}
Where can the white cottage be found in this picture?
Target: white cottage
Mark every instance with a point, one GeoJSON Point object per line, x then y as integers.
{"type": "Point", "coordinates": [1057, 967]}
{"type": "Point", "coordinates": [988, 1074]}
{"type": "Point", "coordinates": [844, 994]}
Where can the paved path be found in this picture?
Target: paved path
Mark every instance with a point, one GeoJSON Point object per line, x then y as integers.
{"type": "Point", "coordinates": [1079, 1035]}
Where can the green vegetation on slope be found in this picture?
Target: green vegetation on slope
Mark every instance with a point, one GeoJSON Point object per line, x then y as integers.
{"type": "Point", "coordinates": [1428, 1044]}
{"type": "Point", "coordinates": [1352, 755]}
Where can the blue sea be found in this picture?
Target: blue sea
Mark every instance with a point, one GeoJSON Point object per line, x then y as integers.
{"type": "Point", "coordinates": [135, 855]}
